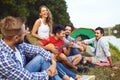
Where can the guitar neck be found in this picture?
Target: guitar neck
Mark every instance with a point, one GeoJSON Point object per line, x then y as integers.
{"type": "Point", "coordinates": [60, 47]}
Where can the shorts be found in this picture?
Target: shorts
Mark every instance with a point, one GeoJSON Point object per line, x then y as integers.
{"type": "Point", "coordinates": [95, 59]}
{"type": "Point", "coordinates": [70, 58]}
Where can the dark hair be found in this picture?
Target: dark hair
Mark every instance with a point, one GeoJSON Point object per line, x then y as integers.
{"type": "Point", "coordinates": [101, 30]}
{"type": "Point", "coordinates": [58, 29]}
{"type": "Point", "coordinates": [69, 26]}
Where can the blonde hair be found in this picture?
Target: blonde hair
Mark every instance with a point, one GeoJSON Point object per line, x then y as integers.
{"type": "Point", "coordinates": [10, 26]}
{"type": "Point", "coordinates": [49, 18]}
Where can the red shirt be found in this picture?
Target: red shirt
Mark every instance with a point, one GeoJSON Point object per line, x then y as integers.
{"type": "Point", "coordinates": [56, 43]}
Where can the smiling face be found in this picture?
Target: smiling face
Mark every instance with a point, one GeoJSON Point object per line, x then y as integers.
{"type": "Point", "coordinates": [61, 34]}
{"type": "Point", "coordinates": [44, 12]}
{"type": "Point", "coordinates": [98, 34]}
{"type": "Point", "coordinates": [68, 30]}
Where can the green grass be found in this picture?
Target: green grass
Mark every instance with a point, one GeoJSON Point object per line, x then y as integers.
{"type": "Point", "coordinates": [106, 73]}
{"type": "Point", "coordinates": [114, 48]}
{"type": "Point", "coordinates": [32, 39]}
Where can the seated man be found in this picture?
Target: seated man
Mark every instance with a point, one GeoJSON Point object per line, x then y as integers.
{"type": "Point", "coordinates": [102, 53]}
{"type": "Point", "coordinates": [77, 47]}
{"type": "Point", "coordinates": [13, 51]}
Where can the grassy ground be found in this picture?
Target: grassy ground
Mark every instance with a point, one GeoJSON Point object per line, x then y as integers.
{"type": "Point", "coordinates": [101, 73]}
{"type": "Point", "coordinates": [106, 73]}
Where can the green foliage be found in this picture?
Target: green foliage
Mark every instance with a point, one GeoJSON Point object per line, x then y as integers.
{"type": "Point", "coordinates": [15, 8]}
{"type": "Point", "coordinates": [29, 10]}
{"type": "Point", "coordinates": [116, 30]}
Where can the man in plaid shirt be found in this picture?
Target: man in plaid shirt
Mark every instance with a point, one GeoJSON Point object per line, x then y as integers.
{"type": "Point", "coordinates": [13, 51]}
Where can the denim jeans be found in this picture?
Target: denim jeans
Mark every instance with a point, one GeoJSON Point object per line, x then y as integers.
{"type": "Point", "coordinates": [39, 64]}
{"type": "Point", "coordinates": [74, 51]}
{"type": "Point", "coordinates": [63, 70]}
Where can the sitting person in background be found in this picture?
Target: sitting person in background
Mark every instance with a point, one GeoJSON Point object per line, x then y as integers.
{"type": "Point", "coordinates": [26, 36]}
{"type": "Point", "coordinates": [75, 49]}
{"type": "Point", "coordinates": [102, 52]}
{"type": "Point", "coordinates": [13, 50]}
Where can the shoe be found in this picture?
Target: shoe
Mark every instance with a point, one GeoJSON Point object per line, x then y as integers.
{"type": "Point", "coordinates": [89, 64]}
{"type": "Point", "coordinates": [71, 78]}
{"type": "Point", "coordinates": [87, 77]}
{"type": "Point", "coordinates": [83, 69]}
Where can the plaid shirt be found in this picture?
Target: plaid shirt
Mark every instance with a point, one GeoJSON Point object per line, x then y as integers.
{"type": "Point", "coordinates": [11, 68]}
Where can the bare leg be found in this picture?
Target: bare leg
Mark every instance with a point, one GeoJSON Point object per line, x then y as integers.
{"type": "Point", "coordinates": [76, 59]}
{"type": "Point", "coordinates": [65, 61]}
{"type": "Point", "coordinates": [88, 59]}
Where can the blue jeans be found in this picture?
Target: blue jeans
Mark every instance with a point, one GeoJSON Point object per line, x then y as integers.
{"type": "Point", "coordinates": [63, 70]}
{"type": "Point", "coordinates": [74, 51]}
{"type": "Point", "coordinates": [39, 64]}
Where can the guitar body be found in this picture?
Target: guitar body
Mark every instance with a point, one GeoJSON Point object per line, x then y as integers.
{"type": "Point", "coordinates": [50, 45]}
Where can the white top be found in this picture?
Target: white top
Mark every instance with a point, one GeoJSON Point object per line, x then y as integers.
{"type": "Point", "coordinates": [43, 30]}
{"type": "Point", "coordinates": [18, 56]}
{"type": "Point", "coordinates": [101, 47]}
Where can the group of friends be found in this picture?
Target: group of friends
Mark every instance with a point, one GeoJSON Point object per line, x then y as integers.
{"type": "Point", "coordinates": [55, 56]}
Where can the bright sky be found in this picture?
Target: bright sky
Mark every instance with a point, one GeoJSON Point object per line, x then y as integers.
{"type": "Point", "coordinates": [94, 13]}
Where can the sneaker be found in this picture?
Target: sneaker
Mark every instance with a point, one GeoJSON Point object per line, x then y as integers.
{"type": "Point", "coordinates": [89, 64]}
{"type": "Point", "coordinates": [71, 78]}
{"type": "Point", "coordinates": [83, 69]}
{"type": "Point", "coordinates": [87, 77]}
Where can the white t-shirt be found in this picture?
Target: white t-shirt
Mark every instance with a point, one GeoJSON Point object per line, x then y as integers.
{"type": "Point", "coordinates": [18, 56]}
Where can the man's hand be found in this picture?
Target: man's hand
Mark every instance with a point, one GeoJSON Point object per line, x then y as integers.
{"type": "Point", "coordinates": [51, 48]}
{"type": "Point", "coordinates": [52, 69]}
{"type": "Point", "coordinates": [114, 67]}
{"type": "Point", "coordinates": [80, 47]}
{"type": "Point", "coordinates": [70, 44]}
{"type": "Point", "coordinates": [82, 42]}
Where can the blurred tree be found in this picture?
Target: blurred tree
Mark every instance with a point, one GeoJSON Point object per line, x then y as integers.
{"type": "Point", "coordinates": [116, 30]}
{"type": "Point", "coordinates": [29, 10]}
{"type": "Point", "coordinates": [15, 8]}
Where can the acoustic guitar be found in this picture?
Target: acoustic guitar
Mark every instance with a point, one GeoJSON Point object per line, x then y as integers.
{"type": "Point", "coordinates": [56, 48]}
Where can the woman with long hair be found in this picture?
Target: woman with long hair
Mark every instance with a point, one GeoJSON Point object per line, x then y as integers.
{"type": "Point", "coordinates": [42, 27]}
